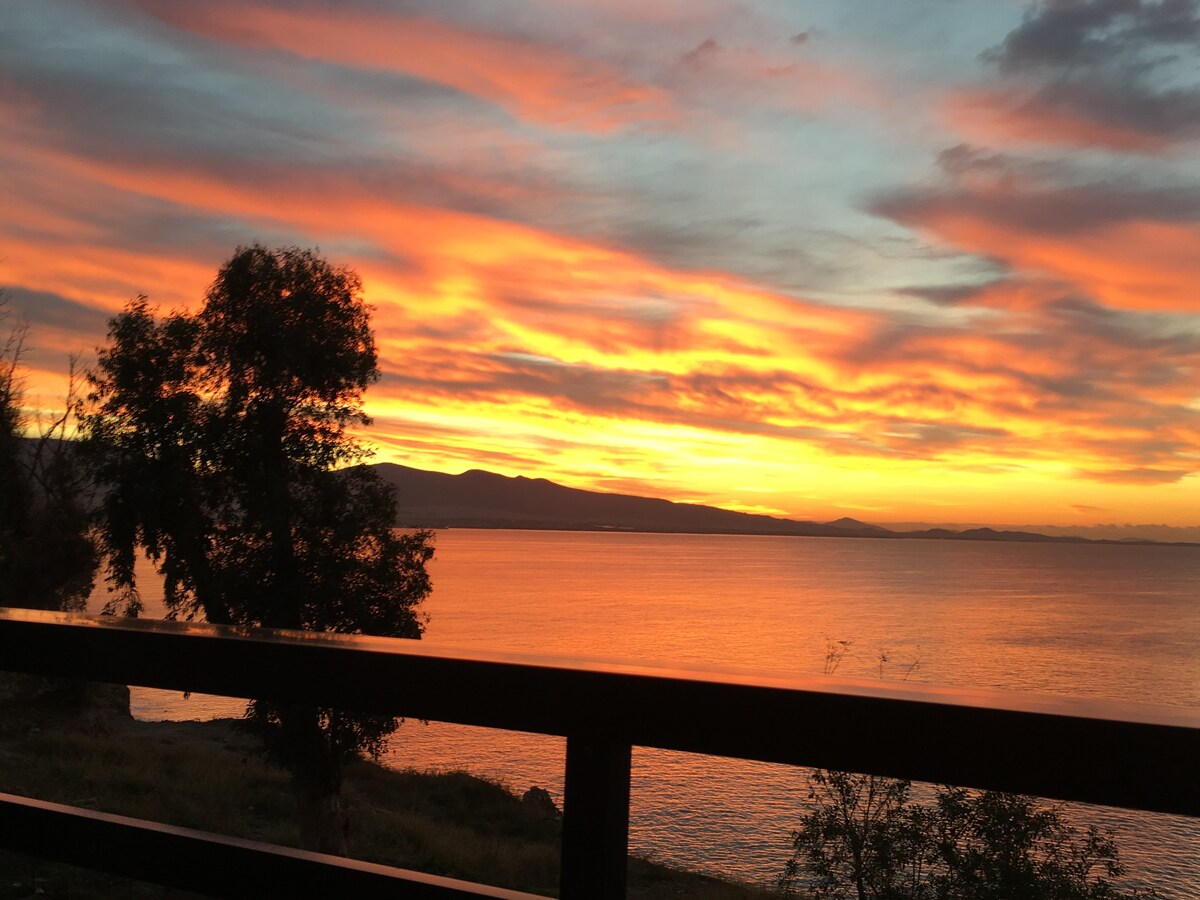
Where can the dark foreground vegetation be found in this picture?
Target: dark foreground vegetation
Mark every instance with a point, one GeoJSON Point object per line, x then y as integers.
{"type": "Point", "coordinates": [219, 443]}
{"type": "Point", "coordinates": [213, 776]}
{"type": "Point", "coordinates": [868, 838]}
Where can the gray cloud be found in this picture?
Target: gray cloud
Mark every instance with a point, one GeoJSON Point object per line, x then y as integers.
{"type": "Point", "coordinates": [917, 437]}
{"type": "Point", "coordinates": [948, 294]}
{"type": "Point", "coordinates": [1071, 209]}
{"type": "Point", "coordinates": [963, 158]}
{"type": "Point", "coordinates": [1122, 103]}
{"type": "Point", "coordinates": [60, 332]}
{"type": "Point", "coordinates": [700, 55]}
{"type": "Point", "coordinates": [1058, 34]}
{"type": "Point", "coordinates": [582, 386]}
{"type": "Point", "coordinates": [1120, 64]}
{"type": "Point", "coordinates": [1172, 335]}
{"type": "Point", "coordinates": [46, 311]}
{"type": "Point", "coordinates": [575, 385]}
{"type": "Point", "coordinates": [149, 94]}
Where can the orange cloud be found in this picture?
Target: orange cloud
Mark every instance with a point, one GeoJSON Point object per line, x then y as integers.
{"type": "Point", "coordinates": [1139, 476]}
{"type": "Point", "coordinates": [1126, 247]}
{"type": "Point", "coordinates": [1017, 116]}
{"type": "Point", "coordinates": [534, 82]}
{"type": "Point", "coordinates": [1131, 265]}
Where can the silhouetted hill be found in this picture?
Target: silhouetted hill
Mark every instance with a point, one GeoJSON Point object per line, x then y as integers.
{"type": "Point", "coordinates": [478, 499]}
{"type": "Point", "coordinates": [991, 534]}
{"type": "Point", "coordinates": [854, 524]}
{"type": "Point", "coordinates": [1116, 532]}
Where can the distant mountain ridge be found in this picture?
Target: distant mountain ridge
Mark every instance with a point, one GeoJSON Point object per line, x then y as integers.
{"type": "Point", "coordinates": [847, 522]}
{"type": "Point", "coordinates": [479, 499]}
{"type": "Point", "coordinates": [1121, 533]}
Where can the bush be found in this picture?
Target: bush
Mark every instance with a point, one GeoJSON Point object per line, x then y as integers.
{"type": "Point", "coordinates": [867, 839]}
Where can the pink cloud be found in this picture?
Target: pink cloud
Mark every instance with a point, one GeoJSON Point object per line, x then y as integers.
{"type": "Point", "coordinates": [1015, 117]}
{"type": "Point", "coordinates": [535, 82]}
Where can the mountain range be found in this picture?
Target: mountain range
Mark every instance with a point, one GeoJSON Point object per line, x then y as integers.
{"type": "Point", "coordinates": [479, 499]}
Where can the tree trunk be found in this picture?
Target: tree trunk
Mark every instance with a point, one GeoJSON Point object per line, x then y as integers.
{"type": "Point", "coordinates": [322, 823]}
{"type": "Point", "coordinates": [315, 767]}
{"type": "Point", "coordinates": [316, 780]}
{"type": "Point", "coordinates": [285, 609]}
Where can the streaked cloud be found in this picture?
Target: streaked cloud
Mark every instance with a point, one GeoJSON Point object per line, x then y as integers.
{"type": "Point", "coordinates": [731, 253]}
{"type": "Point", "coordinates": [1121, 243]}
{"type": "Point", "coordinates": [532, 81]}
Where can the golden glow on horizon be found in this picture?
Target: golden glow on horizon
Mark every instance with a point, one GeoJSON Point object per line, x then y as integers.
{"type": "Point", "coordinates": [699, 467]}
{"type": "Point", "coordinates": [845, 453]}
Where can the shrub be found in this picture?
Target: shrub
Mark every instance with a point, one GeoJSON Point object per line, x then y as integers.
{"type": "Point", "coordinates": [867, 839]}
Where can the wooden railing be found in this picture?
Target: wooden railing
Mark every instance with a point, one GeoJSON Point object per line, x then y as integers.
{"type": "Point", "coordinates": [1125, 755]}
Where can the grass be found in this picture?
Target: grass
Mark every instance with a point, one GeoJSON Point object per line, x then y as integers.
{"type": "Point", "coordinates": [210, 776]}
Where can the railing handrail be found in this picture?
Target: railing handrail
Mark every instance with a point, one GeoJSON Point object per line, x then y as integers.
{"type": "Point", "coordinates": [1015, 701]}
{"type": "Point", "coordinates": [1118, 754]}
{"type": "Point", "coordinates": [976, 738]}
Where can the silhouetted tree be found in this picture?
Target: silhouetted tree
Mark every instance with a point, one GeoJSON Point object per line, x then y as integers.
{"type": "Point", "coordinates": [221, 441]}
{"type": "Point", "coordinates": [14, 488]}
{"type": "Point", "coordinates": [865, 838]}
{"type": "Point", "coordinates": [47, 558]}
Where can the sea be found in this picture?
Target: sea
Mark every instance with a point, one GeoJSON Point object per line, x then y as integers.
{"type": "Point", "coordinates": [1119, 622]}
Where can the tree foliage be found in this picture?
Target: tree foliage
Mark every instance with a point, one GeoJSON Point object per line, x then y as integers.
{"type": "Point", "coordinates": [47, 557]}
{"type": "Point", "coordinates": [866, 838]}
{"type": "Point", "coordinates": [222, 440]}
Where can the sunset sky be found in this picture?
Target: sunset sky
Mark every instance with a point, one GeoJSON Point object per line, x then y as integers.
{"type": "Point", "coordinates": [896, 259]}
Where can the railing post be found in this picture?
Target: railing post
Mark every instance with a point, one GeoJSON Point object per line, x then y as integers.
{"type": "Point", "coordinates": [595, 835]}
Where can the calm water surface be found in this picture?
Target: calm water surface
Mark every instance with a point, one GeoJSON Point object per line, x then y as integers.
{"type": "Point", "coordinates": [1117, 622]}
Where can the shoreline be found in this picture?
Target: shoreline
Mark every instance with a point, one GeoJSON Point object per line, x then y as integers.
{"type": "Point", "coordinates": [999, 537]}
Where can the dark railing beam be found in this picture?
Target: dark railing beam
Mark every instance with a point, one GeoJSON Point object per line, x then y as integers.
{"type": "Point", "coordinates": [211, 864]}
{"type": "Point", "coordinates": [1114, 754]}
{"type": "Point", "coordinates": [595, 835]}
